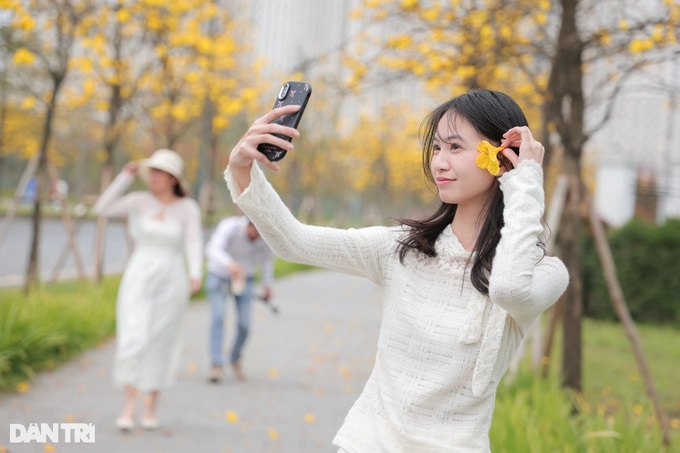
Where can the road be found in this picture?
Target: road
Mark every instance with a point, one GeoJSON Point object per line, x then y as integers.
{"type": "Point", "coordinates": [53, 243]}
{"type": "Point", "coordinates": [304, 370]}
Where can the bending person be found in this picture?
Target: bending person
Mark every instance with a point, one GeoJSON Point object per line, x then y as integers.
{"type": "Point", "coordinates": [233, 252]}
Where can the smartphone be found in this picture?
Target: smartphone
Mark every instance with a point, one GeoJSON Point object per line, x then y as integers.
{"type": "Point", "coordinates": [297, 93]}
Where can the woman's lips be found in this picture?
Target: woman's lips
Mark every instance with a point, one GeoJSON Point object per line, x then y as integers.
{"type": "Point", "coordinates": [443, 181]}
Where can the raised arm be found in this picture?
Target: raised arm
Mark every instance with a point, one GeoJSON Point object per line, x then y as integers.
{"type": "Point", "coordinates": [523, 282]}
{"type": "Point", "coordinates": [358, 252]}
{"type": "Point", "coordinates": [112, 202]}
{"type": "Point", "coordinates": [353, 251]}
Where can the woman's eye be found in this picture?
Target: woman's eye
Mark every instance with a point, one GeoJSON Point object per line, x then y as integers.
{"type": "Point", "coordinates": [436, 149]}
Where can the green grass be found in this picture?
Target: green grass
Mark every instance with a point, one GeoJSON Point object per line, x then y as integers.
{"type": "Point", "coordinates": [283, 268]}
{"type": "Point", "coordinates": [616, 415]}
{"type": "Point", "coordinates": [535, 416]}
{"type": "Point", "coordinates": [51, 325]}
{"type": "Point", "coordinates": [610, 371]}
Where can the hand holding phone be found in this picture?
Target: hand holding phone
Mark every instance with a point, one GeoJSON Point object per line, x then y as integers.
{"type": "Point", "coordinates": [291, 93]}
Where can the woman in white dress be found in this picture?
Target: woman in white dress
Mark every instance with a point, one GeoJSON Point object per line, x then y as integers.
{"type": "Point", "coordinates": [165, 226]}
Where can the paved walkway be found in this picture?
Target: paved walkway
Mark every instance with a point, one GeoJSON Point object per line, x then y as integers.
{"type": "Point", "coordinates": [305, 368]}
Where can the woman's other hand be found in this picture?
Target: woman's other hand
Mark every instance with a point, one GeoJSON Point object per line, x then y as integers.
{"type": "Point", "coordinates": [522, 138]}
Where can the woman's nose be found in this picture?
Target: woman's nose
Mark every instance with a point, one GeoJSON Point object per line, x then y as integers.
{"type": "Point", "coordinates": [439, 162]}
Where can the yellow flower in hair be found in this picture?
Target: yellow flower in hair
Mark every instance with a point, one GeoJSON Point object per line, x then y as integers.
{"type": "Point", "coordinates": [488, 157]}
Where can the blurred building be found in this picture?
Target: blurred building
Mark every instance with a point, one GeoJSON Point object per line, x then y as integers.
{"type": "Point", "coordinates": [639, 144]}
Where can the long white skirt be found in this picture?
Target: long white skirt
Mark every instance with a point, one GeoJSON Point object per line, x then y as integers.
{"type": "Point", "coordinates": [152, 297]}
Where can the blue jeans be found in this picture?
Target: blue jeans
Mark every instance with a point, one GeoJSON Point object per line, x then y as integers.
{"type": "Point", "coordinates": [218, 290]}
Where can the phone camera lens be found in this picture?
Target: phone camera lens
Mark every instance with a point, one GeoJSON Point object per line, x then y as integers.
{"type": "Point", "coordinates": [283, 92]}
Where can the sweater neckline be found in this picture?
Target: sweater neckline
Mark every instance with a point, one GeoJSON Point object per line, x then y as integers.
{"type": "Point", "coordinates": [449, 243]}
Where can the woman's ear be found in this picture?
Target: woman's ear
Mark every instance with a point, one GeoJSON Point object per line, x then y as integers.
{"type": "Point", "coordinates": [506, 165]}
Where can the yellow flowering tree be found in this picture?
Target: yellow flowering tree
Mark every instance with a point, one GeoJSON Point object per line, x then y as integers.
{"type": "Point", "coordinates": [539, 51]}
{"type": "Point", "coordinates": [202, 73]}
{"type": "Point", "coordinates": [48, 31]}
{"type": "Point", "coordinates": [111, 65]}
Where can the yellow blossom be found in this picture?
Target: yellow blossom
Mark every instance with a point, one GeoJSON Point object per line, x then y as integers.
{"type": "Point", "coordinates": [23, 56]}
{"type": "Point", "coordinates": [231, 417]}
{"type": "Point", "coordinates": [123, 16]}
{"type": "Point", "coordinates": [22, 387]}
{"type": "Point", "coordinates": [25, 23]}
{"type": "Point", "coordinates": [488, 157]}
{"type": "Point", "coordinates": [407, 5]}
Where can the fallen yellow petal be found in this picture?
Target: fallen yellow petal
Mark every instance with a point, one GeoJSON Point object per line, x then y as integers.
{"type": "Point", "coordinates": [231, 417]}
{"type": "Point", "coordinates": [70, 419]}
{"type": "Point", "coordinates": [49, 448]}
{"type": "Point", "coordinates": [22, 387]}
{"type": "Point", "coordinates": [309, 418]}
{"type": "Point", "coordinates": [273, 372]}
{"type": "Point", "coordinates": [273, 434]}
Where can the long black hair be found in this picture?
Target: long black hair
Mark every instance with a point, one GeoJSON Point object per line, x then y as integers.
{"type": "Point", "coordinates": [491, 113]}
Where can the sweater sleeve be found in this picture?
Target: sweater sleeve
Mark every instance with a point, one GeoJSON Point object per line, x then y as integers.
{"type": "Point", "coordinates": [353, 251]}
{"type": "Point", "coordinates": [522, 281]}
{"type": "Point", "coordinates": [193, 240]}
{"type": "Point", "coordinates": [112, 202]}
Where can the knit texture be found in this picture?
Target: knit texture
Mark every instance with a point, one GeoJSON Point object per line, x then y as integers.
{"type": "Point", "coordinates": [443, 346]}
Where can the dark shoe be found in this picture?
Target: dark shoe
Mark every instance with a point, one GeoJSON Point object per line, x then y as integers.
{"type": "Point", "coordinates": [238, 372]}
{"type": "Point", "coordinates": [215, 374]}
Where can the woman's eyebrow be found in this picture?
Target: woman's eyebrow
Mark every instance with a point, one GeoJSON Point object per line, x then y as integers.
{"type": "Point", "coordinates": [450, 138]}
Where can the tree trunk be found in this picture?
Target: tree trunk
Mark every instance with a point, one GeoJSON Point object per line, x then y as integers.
{"type": "Point", "coordinates": [100, 234]}
{"type": "Point", "coordinates": [205, 162]}
{"type": "Point", "coordinates": [32, 273]}
{"type": "Point", "coordinates": [570, 245]}
{"type": "Point", "coordinates": [566, 111]}
{"type": "Point", "coordinates": [111, 137]}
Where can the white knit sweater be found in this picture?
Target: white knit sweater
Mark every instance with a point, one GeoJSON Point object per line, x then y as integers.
{"type": "Point", "coordinates": [443, 346]}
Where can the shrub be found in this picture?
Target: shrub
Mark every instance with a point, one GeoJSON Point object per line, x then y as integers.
{"type": "Point", "coordinates": [648, 265]}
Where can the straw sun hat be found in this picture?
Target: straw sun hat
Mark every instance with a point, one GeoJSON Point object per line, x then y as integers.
{"type": "Point", "coordinates": [168, 161]}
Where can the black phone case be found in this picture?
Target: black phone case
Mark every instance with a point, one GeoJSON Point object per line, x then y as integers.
{"type": "Point", "coordinates": [290, 93]}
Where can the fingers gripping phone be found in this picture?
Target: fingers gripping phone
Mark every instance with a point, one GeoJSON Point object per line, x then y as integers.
{"type": "Point", "coordinates": [297, 93]}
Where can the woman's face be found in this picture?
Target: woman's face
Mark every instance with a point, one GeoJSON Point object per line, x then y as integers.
{"type": "Point", "coordinates": [459, 180]}
{"type": "Point", "coordinates": [161, 181]}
